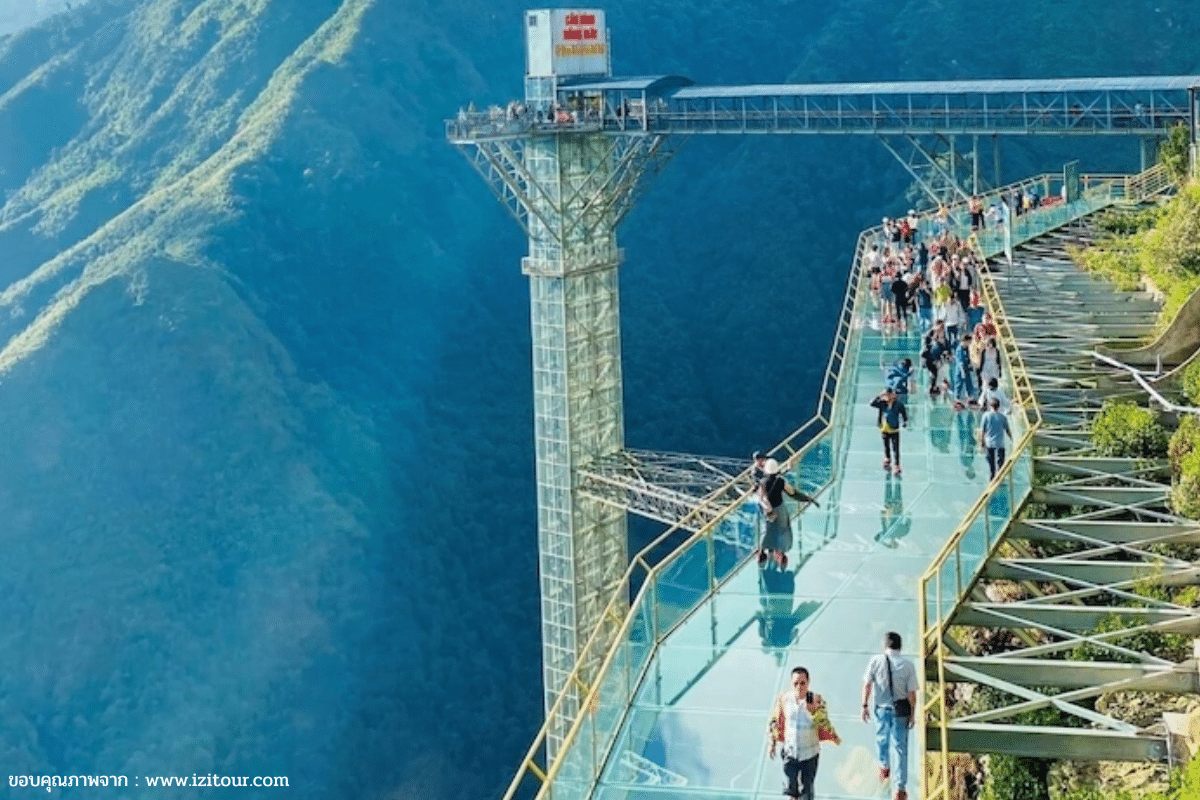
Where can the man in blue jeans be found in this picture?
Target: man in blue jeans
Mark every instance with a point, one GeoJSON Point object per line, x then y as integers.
{"type": "Point", "coordinates": [964, 386]}
{"type": "Point", "coordinates": [892, 416]}
{"type": "Point", "coordinates": [891, 677]}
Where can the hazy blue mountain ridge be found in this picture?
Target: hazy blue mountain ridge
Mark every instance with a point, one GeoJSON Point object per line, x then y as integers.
{"type": "Point", "coordinates": [181, 481]}
{"type": "Point", "coordinates": [268, 491]}
{"type": "Point", "coordinates": [18, 14]}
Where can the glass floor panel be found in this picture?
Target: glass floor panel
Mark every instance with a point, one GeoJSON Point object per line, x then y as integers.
{"type": "Point", "coordinates": [697, 727]}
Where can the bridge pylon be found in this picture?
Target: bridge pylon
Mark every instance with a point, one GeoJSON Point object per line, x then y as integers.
{"type": "Point", "coordinates": [569, 183]}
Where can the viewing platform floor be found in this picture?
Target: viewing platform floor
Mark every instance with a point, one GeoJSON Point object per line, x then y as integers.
{"type": "Point", "coordinates": [698, 726]}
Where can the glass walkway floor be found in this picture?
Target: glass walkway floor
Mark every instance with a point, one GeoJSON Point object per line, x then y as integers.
{"type": "Point", "coordinates": [697, 727]}
{"type": "Point", "coordinates": [687, 717]}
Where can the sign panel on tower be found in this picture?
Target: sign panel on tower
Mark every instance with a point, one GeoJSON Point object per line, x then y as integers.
{"type": "Point", "coordinates": [562, 41]}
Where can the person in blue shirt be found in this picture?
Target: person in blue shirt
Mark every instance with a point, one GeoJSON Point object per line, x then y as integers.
{"type": "Point", "coordinates": [993, 427]}
{"type": "Point", "coordinates": [964, 386]}
{"type": "Point", "coordinates": [890, 687]}
{"type": "Point", "coordinates": [924, 300]}
{"type": "Point", "coordinates": [936, 348]}
{"type": "Point", "coordinates": [899, 376]}
{"type": "Point", "coordinates": [892, 416]}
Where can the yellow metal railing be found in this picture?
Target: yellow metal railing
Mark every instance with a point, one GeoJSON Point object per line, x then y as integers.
{"type": "Point", "coordinates": [955, 568]}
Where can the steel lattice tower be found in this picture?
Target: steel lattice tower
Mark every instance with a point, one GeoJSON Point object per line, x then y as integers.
{"type": "Point", "coordinates": [569, 184]}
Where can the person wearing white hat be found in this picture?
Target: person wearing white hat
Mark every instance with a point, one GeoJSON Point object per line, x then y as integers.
{"type": "Point", "coordinates": [777, 538]}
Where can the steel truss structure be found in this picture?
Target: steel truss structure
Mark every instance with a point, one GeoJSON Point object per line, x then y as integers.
{"type": "Point", "coordinates": [600, 199]}
{"type": "Point", "coordinates": [672, 488]}
{"type": "Point", "coordinates": [568, 163]}
{"type": "Point", "coordinates": [922, 115]}
{"type": "Point", "coordinates": [1121, 106]}
{"type": "Point", "coordinates": [938, 167]}
{"type": "Point", "coordinates": [569, 191]}
{"type": "Point", "coordinates": [1069, 627]}
{"type": "Point", "coordinates": [1142, 107]}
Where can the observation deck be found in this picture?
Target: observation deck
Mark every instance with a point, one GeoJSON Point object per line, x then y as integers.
{"type": "Point", "coordinates": [664, 104]}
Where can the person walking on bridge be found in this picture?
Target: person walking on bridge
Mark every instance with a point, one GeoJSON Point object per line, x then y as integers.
{"type": "Point", "coordinates": [799, 723]}
{"type": "Point", "coordinates": [891, 679]}
{"type": "Point", "coordinates": [777, 536]}
{"type": "Point", "coordinates": [892, 416]}
{"type": "Point", "coordinates": [993, 428]}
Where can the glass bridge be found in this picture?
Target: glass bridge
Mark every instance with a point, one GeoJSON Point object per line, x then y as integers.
{"type": "Point", "coordinates": [681, 705]}
{"type": "Point", "coordinates": [697, 724]}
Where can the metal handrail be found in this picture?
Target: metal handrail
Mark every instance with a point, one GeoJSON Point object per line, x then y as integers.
{"type": "Point", "coordinates": [1115, 187]}
{"type": "Point", "coordinates": [1138, 376]}
{"type": "Point", "coordinates": [1024, 399]}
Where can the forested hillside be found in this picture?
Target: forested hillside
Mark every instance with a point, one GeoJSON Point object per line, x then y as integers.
{"type": "Point", "coordinates": [264, 353]}
{"type": "Point", "coordinates": [18, 14]}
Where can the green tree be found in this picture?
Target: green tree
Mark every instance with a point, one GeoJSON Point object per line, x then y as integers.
{"type": "Point", "coordinates": [1190, 382]}
{"type": "Point", "coordinates": [1173, 153]}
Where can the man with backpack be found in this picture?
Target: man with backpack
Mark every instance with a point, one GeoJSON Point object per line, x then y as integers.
{"type": "Point", "coordinates": [899, 377]}
{"type": "Point", "coordinates": [964, 386]}
{"type": "Point", "coordinates": [936, 348]}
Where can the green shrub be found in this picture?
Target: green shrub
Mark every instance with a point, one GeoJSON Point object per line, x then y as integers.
{"type": "Point", "coordinates": [1174, 646]}
{"type": "Point", "coordinates": [1176, 292]}
{"type": "Point", "coordinates": [1187, 784]}
{"type": "Point", "coordinates": [1161, 244]}
{"type": "Point", "coordinates": [1190, 379]}
{"type": "Point", "coordinates": [1125, 429]}
{"type": "Point", "coordinates": [1124, 223]}
{"type": "Point", "coordinates": [1119, 264]}
{"type": "Point", "coordinates": [1184, 453]}
{"type": "Point", "coordinates": [1184, 441]}
{"type": "Point", "coordinates": [1173, 152]}
{"type": "Point", "coordinates": [1174, 244]}
{"type": "Point", "coordinates": [1017, 778]}
{"type": "Point", "coordinates": [1185, 497]}
{"type": "Point", "coordinates": [1188, 596]}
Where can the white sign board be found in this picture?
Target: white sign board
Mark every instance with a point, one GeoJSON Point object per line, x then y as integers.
{"type": "Point", "coordinates": [563, 42]}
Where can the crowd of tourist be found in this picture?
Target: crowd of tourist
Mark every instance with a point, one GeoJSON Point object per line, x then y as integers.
{"type": "Point", "coordinates": [925, 285]}
{"type": "Point", "coordinates": [928, 282]}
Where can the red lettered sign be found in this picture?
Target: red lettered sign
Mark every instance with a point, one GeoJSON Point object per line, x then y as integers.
{"type": "Point", "coordinates": [580, 46]}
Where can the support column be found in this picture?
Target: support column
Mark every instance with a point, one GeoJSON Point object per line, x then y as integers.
{"type": "Point", "coordinates": [975, 164]}
{"type": "Point", "coordinates": [996, 161]}
{"type": "Point", "coordinates": [569, 189]}
{"type": "Point", "coordinates": [578, 404]}
{"type": "Point", "coordinates": [1194, 139]}
{"type": "Point", "coordinates": [1149, 152]}
{"type": "Point", "coordinates": [953, 160]}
